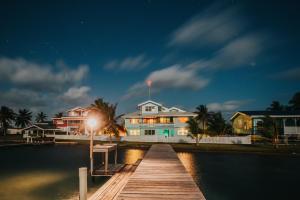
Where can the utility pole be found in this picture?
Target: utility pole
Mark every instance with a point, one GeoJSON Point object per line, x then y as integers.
{"type": "Point", "coordinates": [149, 84]}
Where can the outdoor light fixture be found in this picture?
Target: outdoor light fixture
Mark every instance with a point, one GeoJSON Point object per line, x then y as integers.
{"type": "Point", "coordinates": [92, 122]}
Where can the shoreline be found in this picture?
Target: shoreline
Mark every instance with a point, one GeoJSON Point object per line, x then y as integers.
{"type": "Point", "coordinates": [263, 149]}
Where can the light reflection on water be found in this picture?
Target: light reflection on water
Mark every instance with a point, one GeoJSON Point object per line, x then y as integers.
{"type": "Point", "coordinates": [49, 172]}
{"type": "Point", "coordinates": [132, 155]}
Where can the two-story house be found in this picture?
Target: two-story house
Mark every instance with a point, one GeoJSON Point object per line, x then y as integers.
{"type": "Point", "coordinates": [73, 122]}
{"type": "Point", "coordinates": [154, 122]}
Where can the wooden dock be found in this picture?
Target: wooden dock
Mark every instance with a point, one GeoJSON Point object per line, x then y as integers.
{"type": "Point", "coordinates": [160, 175]}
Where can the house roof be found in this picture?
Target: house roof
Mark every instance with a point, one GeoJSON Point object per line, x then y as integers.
{"type": "Point", "coordinates": [259, 113]}
{"type": "Point", "coordinates": [175, 108]}
{"type": "Point", "coordinates": [76, 108]}
{"type": "Point", "coordinates": [42, 126]}
{"type": "Point", "coordinates": [149, 101]}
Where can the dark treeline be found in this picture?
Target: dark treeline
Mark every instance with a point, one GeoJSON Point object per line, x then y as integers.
{"type": "Point", "coordinates": [293, 104]}
{"type": "Point", "coordinates": [20, 119]}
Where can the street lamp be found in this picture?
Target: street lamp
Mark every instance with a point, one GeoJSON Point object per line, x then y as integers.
{"type": "Point", "coordinates": [91, 123]}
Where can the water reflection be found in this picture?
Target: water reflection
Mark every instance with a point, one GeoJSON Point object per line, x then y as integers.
{"type": "Point", "coordinates": [188, 160]}
{"type": "Point", "coordinates": [49, 172]}
{"type": "Point", "coordinates": [27, 185]}
{"type": "Point", "coordinates": [132, 155]}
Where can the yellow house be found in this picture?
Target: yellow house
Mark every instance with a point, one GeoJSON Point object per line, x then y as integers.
{"type": "Point", "coordinates": [250, 122]}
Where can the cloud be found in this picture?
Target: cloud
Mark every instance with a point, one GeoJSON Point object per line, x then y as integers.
{"type": "Point", "coordinates": [216, 25]}
{"type": "Point", "coordinates": [173, 77]}
{"type": "Point", "coordinates": [76, 95]}
{"type": "Point", "coordinates": [129, 63]}
{"type": "Point", "coordinates": [39, 77]}
{"type": "Point", "coordinates": [240, 52]}
{"type": "Point", "coordinates": [226, 106]}
{"type": "Point", "coordinates": [290, 74]}
{"type": "Point", "coordinates": [20, 98]}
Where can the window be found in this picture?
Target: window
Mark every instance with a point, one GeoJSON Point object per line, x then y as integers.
{"type": "Point", "coordinates": [134, 132]}
{"type": "Point", "coordinates": [182, 131]}
{"type": "Point", "coordinates": [149, 132]}
{"type": "Point", "coordinates": [149, 121]}
{"type": "Point", "coordinates": [298, 122]}
{"type": "Point", "coordinates": [166, 120]}
{"type": "Point", "coordinates": [289, 122]}
{"type": "Point", "coordinates": [134, 121]}
{"type": "Point", "coordinates": [149, 108]}
{"type": "Point", "coordinates": [183, 119]}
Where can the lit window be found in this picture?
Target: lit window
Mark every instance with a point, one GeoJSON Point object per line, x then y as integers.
{"type": "Point", "coordinates": [183, 119]}
{"type": "Point", "coordinates": [134, 132]}
{"type": "Point", "coordinates": [149, 121]}
{"type": "Point", "coordinates": [182, 131]}
{"type": "Point", "coordinates": [166, 120]}
{"type": "Point", "coordinates": [134, 121]}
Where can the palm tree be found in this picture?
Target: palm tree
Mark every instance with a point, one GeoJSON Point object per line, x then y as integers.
{"type": "Point", "coordinates": [194, 129]}
{"type": "Point", "coordinates": [23, 118]}
{"type": "Point", "coordinates": [41, 117]}
{"type": "Point", "coordinates": [7, 115]}
{"type": "Point", "coordinates": [295, 101]}
{"type": "Point", "coordinates": [110, 121]}
{"type": "Point", "coordinates": [271, 128]}
{"type": "Point", "coordinates": [59, 115]}
{"type": "Point", "coordinates": [202, 116]}
{"type": "Point", "coordinates": [275, 106]}
{"type": "Point", "coordinates": [216, 123]}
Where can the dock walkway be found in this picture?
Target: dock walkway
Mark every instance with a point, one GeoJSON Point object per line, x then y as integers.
{"type": "Point", "coordinates": [160, 175]}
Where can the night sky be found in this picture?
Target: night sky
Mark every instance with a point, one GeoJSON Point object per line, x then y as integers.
{"type": "Point", "coordinates": [230, 55]}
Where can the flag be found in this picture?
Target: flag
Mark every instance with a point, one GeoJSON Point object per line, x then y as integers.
{"type": "Point", "coordinates": [149, 83]}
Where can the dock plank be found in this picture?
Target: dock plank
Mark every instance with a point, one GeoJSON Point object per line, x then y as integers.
{"type": "Point", "coordinates": [160, 175]}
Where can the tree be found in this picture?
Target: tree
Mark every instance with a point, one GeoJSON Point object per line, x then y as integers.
{"type": "Point", "coordinates": [23, 118]}
{"type": "Point", "coordinates": [202, 116]}
{"type": "Point", "coordinates": [276, 106]}
{"type": "Point", "coordinates": [41, 117]}
{"type": "Point", "coordinates": [59, 115]}
{"type": "Point", "coordinates": [270, 128]}
{"type": "Point", "coordinates": [194, 129]}
{"type": "Point", "coordinates": [110, 121]}
{"type": "Point", "coordinates": [295, 101]}
{"type": "Point", "coordinates": [7, 115]}
{"type": "Point", "coordinates": [216, 123]}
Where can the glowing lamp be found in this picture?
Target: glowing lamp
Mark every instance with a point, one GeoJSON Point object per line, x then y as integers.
{"type": "Point", "coordinates": [92, 122]}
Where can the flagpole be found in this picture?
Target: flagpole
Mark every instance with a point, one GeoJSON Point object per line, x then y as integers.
{"type": "Point", "coordinates": [149, 83]}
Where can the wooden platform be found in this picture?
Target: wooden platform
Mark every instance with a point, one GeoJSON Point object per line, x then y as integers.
{"type": "Point", "coordinates": [111, 170]}
{"type": "Point", "coordinates": [112, 188]}
{"type": "Point", "coordinates": [160, 175]}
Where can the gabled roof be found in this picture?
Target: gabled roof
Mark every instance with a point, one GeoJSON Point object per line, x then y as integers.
{"type": "Point", "coordinates": [175, 108]}
{"type": "Point", "coordinates": [257, 113]}
{"type": "Point", "coordinates": [76, 108]}
{"type": "Point", "coordinates": [42, 126]}
{"type": "Point", "coordinates": [149, 101]}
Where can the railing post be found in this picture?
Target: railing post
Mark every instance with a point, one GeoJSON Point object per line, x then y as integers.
{"type": "Point", "coordinates": [83, 183]}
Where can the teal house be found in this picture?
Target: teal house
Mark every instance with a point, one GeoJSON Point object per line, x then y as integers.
{"type": "Point", "coordinates": [154, 122]}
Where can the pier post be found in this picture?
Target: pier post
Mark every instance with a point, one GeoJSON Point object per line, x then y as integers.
{"type": "Point", "coordinates": [83, 183]}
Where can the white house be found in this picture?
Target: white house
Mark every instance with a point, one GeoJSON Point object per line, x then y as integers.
{"type": "Point", "coordinates": [154, 122]}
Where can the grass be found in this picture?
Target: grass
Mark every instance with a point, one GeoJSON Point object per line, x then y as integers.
{"type": "Point", "coordinates": [266, 148]}
{"type": "Point", "coordinates": [238, 148]}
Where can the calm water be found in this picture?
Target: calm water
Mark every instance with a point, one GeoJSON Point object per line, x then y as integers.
{"type": "Point", "coordinates": [51, 172]}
